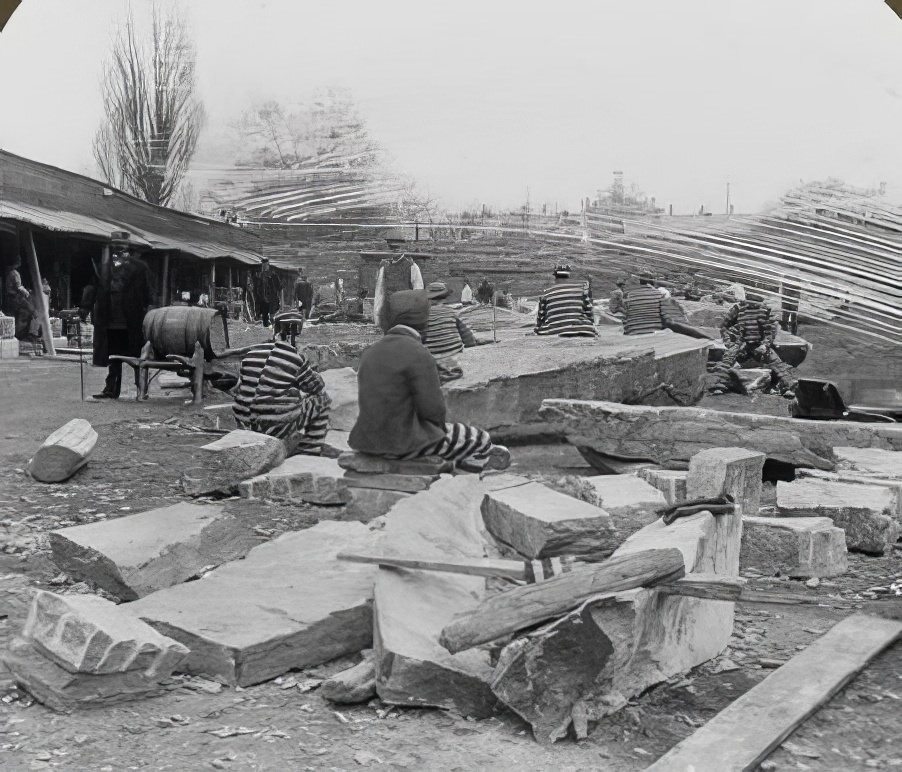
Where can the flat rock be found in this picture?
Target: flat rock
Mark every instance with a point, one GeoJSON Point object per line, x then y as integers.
{"type": "Point", "coordinates": [60, 690]}
{"type": "Point", "coordinates": [503, 384]}
{"type": "Point", "coordinates": [341, 386]}
{"type": "Point", "coordinates": [867, 513]}
{"type": "Point", "coordinates": [631, 502]}
{"type": "Point", "coordinates": [668, 434]}
{"type": "Point", "coordinates": [800, 547]}
{"type": "Point", "coordinates": [870, 461]}
{"type": "Point", "coordinates": [671, 482]}
{"type": "Point", "coordinates": [366, 464]}
{"type": "Point", "coordinates": [855, 476]}
{"type": "Point", "coordinates": [735, 472]}
{"type": "Point", "coordinates": [311, 479]}
{"type": "Point", "coordinates": [238, 455]}
{"type": "Point", "coordinates": [539, 522]}
{"type": "Point", "coordinates": [89, 634]}
{"type": "Point", "coordinates": [290, 604]}
{"type": "Point", "coordinates": [412, 607]}
{"type": "Point", "coordinates": [136, 555]}
{"type": "Point", "coordinates": [405, 483]}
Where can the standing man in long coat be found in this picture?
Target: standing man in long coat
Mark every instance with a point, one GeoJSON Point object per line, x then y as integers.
{"type": "Point", "coordinates": [268, 291]}
{"type": "Point", "coordinates": [123, 298]}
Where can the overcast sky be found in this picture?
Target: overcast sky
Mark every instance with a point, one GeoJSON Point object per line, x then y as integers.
{"type": "Point", "coordinates": [480, 100]}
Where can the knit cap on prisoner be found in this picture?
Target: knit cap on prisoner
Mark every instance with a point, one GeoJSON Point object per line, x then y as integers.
{"type": "Point", "coordinates": [408, 307]}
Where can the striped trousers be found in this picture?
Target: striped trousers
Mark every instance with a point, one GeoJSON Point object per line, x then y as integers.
{"type": "Point", "coordinates": [467, 446]}
{"type": "Point", "coordinates": [303, 429]}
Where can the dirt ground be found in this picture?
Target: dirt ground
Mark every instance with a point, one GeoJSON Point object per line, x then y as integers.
{"type": "Point", "coordinates": [142, 448]}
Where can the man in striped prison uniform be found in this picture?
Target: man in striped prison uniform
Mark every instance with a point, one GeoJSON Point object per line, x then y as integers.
{"type": "Point", "coordinates": [566, 308]}
{"type": "Point", "coordinates": [748, 331]}
{"type": "Point", "coordinates": [279, 394]}
{"type": "Point", "coordinates": [446, 335]}
{"type": "Point", "coordinates": [643, 307]}
{"type": "Point", "coordinates": [402, 408]}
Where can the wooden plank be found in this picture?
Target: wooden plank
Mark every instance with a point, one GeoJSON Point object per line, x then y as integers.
{"type": "Point", "coordinates": [39, 299]}
{"type": "Point", "coordinates": [526, 606]}
{"type": "Point", "coordinates": [512, 569]}
{"type": "Point", "coordinates": [741, 736]}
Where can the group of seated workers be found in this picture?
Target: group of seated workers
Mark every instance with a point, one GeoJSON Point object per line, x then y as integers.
{"type": "Point", "coordinates": [402, 411]}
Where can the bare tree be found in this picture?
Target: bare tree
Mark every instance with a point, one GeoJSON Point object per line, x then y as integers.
{"type": "Point", "coordinates": [152, 115]}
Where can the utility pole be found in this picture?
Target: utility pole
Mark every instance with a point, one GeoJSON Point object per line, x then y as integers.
{"type": "Point", "coordinates": [527, 210]}
{"type": "Point", "coordinates": [728, 196]}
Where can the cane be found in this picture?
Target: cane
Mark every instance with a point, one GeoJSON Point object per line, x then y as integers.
{"type": "Point", "coordinates": [81, 360]}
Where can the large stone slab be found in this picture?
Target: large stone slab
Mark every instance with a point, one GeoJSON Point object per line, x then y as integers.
{"type": "Point", "coordinates": [136, 555]}
{"type": "Point", "coordinates": [405, 483]}
{"type": "Point", "coordinates": [223, 464]}
{"type": "Point", "coordinates": [289, 604]}
{"type": "Point", "coordinates": [734, 472]}
{"type": "Point", "coordinates": [539, 522]}
{"type": "Point", "coordinates": [341, 386]}
{"type": "Point", "coordinates": [366, 464]}
{"type": "Point", "coordinates": [671, 482]}
{"type": "Point", "coordinates": [867, 513]}
{"type": "Point", "coordinates": [412, 607]}
{"type": "Point", "coordinates": [592, 661]}
{"type": "Point", "coordinates": [799, 547]}
{"type": "Point", "coordinates": [89, 634]}
{"type": "Point", "coordinates": [668, 434]}
{"type": "Point", "coordinates": [310, 479]}
{"type": "Point", "coordinates": [503, 384]}
{"type": "Point", "coordinates": [886, 464]}
{"type": "Point", "coordinates": [63, 691]}
{"type": "Point", "coordinates": [631, 501]}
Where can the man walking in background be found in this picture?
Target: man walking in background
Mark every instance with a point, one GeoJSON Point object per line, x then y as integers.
{"type": "Point", "coordinates": [268, 291]}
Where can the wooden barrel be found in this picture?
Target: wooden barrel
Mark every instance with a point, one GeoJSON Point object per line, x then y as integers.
{"type": "Point", "coordinates": [175, 330]}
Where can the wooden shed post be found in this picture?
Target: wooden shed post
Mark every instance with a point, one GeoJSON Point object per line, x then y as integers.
{"type": "Point", "coordinates": [40, 301]}
{"type": "Point", "coordinates": [164, 298]}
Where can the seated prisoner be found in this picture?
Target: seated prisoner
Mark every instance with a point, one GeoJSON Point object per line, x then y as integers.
{"type": "Point", "coordinates": [748, 331]}
{"type": "Point", "coordinates": [566, 308]}
{"type": "Point", "coordinates": [402, 408]}
{"type": "Point", "coordinates": [279, 394]}
{"type": "Point", "coordinates": [446, 335]}
{"type": "Point", "coordinates": [643, 308]}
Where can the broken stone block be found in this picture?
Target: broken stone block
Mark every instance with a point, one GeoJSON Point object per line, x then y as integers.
{"type": "Point", "coordinates": [136, 555]}
{"type": "Point", "coordinates": [290, 604]}
{"type": "Point", "coordinates": [611, 649]}
{"type": "Point", "coordinates": [63, 691]}
{"type": "Point", "coordinates": [848, 476]}
{"type": "Point", "coordinates": [669, 434]}
{"type": "Point", "coordinates": [405, 483]}
{"type": "Point", "coordinates": [867, 513]}
{"type": "Point", "coordinates": [734, 472]}
{"type": "Point", "coordinates": [541, 523]}
{"type": "Point", "coordinates": [365, 464]}
{"type": "Point", "coordinates": [870, 461]}
{"type": "Point", "coordinates": [631, 502]}
{"type": "Point", "coordinates": [89, 634]}
{"type": "Point", "coordinates": [312, 479]}
{"type": "Point", "coordinates": [356, 684]}
{"type": "Point", "coordinates": [800, 547]}
{"type": "Point", "coordinates": [367, 503]}
{"type": "Point", "coordinates": [64, 452]}
{"type": "Point", "coordinates": [237, 456]}
{"type": "Point", "coordinates": [341, 386]}
{"type": "Point", "coordinates": [671, 482]}
{"type": "Point", "coordinates": [412, 606]}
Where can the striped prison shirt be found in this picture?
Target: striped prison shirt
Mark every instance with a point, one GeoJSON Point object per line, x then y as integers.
{"type": "Point", "coordinates": [446, 334]}
{"type": "Point", "coordinates": [566, 310]}
{"type": "Point", "coordinates": [750, 322]}
{"type": "Point", "coordinates": [279, 394]}
{"type": "Point", "coordinates": [643, 311]}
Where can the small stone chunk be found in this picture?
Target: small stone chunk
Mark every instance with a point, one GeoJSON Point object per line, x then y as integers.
{"type": "Point", "coordinates": [732, 471]}
{"type": "Point", "coordinates": [800, 547]}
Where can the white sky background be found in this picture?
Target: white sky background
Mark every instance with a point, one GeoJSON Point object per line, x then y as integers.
{"type": "Point", "coordinates": [478, 100]}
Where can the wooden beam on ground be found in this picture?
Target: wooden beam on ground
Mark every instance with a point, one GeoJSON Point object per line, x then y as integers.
{"type": "Point", "coordinates": [64, 452]}
{"type": "Point", "coordinates": [531, 604]}
{"type": "Point", "coordinates": [40, 301]}
{"type": "Point", "coordinates": [741, 736]}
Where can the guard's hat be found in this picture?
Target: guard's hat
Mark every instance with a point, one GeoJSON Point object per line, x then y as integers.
{"type": "Point", "coordinates": [437, 290]}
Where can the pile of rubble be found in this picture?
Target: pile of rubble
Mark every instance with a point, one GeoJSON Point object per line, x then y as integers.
{"type": "Point", "coordinates": [457, 592]}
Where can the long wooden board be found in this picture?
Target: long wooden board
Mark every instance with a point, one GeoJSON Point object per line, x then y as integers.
{"type": "Point", "coordinates": [742, 735]}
